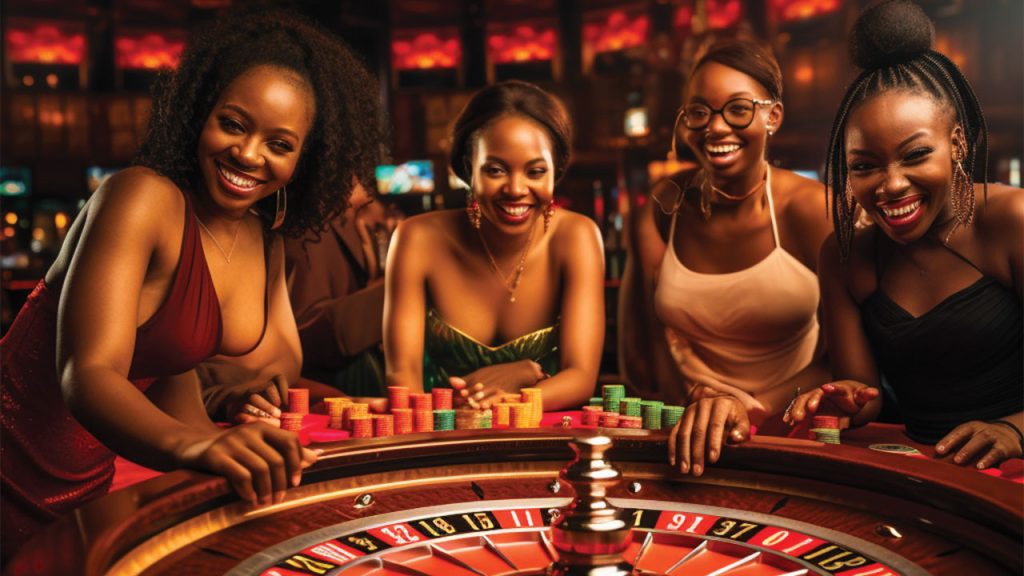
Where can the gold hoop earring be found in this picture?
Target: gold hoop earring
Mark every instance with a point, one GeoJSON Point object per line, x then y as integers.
{"type": "Point", "coordinates": [549, 213]}
{"type": "Point", "coordinates": [473, 210]}
{"type": "Point", "coordinates": [282, 208]}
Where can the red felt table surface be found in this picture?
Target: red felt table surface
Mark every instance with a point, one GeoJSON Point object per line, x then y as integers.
{"type": "Point", "coordinates": [315, 431]}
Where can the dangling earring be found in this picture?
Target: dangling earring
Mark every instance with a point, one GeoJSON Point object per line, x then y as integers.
{"type": "Point", "coordinates": [962, 189]}
{"type": "Point", "coordinates": [549, 213]}
{"type": "Point", "coordinates": [473, 210]}
{"type": "Point", "coordinates": [282, 208]}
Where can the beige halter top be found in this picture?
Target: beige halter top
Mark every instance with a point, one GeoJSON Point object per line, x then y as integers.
{"type": "Point", "coordinates": [740, 332]}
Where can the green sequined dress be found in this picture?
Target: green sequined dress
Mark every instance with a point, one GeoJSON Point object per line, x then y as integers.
{"type": "Point", "coordinates": [450, 352]}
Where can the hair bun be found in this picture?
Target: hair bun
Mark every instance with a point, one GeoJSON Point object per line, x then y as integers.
{"type": "Point", "coordinates": [890, 32]}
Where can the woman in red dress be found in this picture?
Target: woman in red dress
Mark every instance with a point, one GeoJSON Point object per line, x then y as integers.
{"type": "Point", "coordinates": [175, 260]}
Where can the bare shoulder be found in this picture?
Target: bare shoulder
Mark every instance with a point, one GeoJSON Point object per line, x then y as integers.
{"type": "Point", "coordinates": [430, 232]}
{"type": "Point", "coordinates": [574, 230]}
{"type": "Point", "coordinates": [801, 198]}
{"type": "Point", "coordinates": [1002, 212]}
{"type": "Point", "coordinates": [139, 192]}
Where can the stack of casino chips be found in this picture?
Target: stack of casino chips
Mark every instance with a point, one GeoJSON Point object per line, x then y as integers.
{"type": "Point", "coordinates": [361, 425]}
{"type": "Point", "coordinates": [336, 410]}
{"type": "Point", "coordinates": [628, 411]}
{"type": "Point", "coordinates": [630, 406]}
{"type": "Point", "coordinates": [298, 400]}
{"type": "Point", "coordinates": [670, 415]}
{"type": "Point", "coordinates": [472, 419]}
{"type": "Point", "coordinates": [611, 395]}
{"type": "Point", "coordinates": [442, 398]}
{"type": "Point", "coordinates": [592, 415]}
{"type": "Point", "coordinates": [520, 415]}
{"type": "Point", "coordinates": [825, 429]}
{"type": "Point", "coordinates": [501, 414]}
{"type": "Point", "coordinates": [403, 420]}
{"type": "Point", "coordinates": [444, 420]}
{"type": "Point", "coordinates": [651, 413]}
{"type": "Point", "coordinates": [291, 421]}
{"type": "Point", "coordinates": [422, 412]}
{"type": "Point", "coordinates": [355, 410]}
{"type": "Point", "coordinates": [533, 396]}
{"type": "Point", "coordinates": [398, 397]}
{"type": "Point", "coordinates": [383, 425]}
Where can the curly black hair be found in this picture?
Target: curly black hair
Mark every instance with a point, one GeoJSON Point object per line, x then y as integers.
{"type": "Point", "coordinates": [343, 145]}
{"type": "Point", "coordinates": [892, 43]}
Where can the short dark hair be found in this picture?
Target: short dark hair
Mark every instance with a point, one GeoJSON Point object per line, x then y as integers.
{"type": "Point", "coordinates": [891, 42]}
{"type": "Point", "coordinates": [510, 98]}
{"type": "Point", "coordinates": [748, 57]}
{"type": "Point", "coordinates": [343, 144]}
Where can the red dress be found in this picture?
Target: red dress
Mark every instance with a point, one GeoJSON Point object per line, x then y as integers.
{"type": "Point", "coordinates": [49, 464]}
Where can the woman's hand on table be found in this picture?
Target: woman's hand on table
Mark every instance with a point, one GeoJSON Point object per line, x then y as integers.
{"type": "Point", "coordinates": [260, 462]}
{"type": "Point", "coordinates": [697, 439]}
{"type": "Point", "coordinates": [845, 398]}
{"type": "Point", "coordinates": [985, 444]}
{"type": "Point", "coordinates": [484, 387]}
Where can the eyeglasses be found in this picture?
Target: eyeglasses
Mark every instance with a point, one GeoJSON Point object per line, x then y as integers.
{"type": "Point", "coordinates": [738, 113]}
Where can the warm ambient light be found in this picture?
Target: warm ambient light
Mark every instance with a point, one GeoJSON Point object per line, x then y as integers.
{"type": "Point", "coordinates": [45, 44]}
{"type": "Point", "coordinates": [788, 10]}
{"type": "Point", "coordinates": [11, 218]}
{"type": "Point", "coordinates": [804, 74]}
{"type": "Point", "coordinates": [60, 220]}
{"type": "Point", "coordinates": [723, 13]}
{"type": "Point", "coordinates": [524, 43]}
{"type": "Point", "coordinates": [148, 52]}
{"type": "Point", "coordinates": [426, 50]}
{"type": "Point", "coordinates": [617, 32]}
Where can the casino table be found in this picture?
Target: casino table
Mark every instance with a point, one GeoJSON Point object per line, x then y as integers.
{"type": "Point", "coordinates": [481, 502]}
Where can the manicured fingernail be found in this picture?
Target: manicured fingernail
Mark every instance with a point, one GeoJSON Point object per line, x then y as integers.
{"type": "Point", "coordinates": [940, 448]}
{"type": "Point", "coordinates": [714, 455]}
{"type": "Point", "coordinates": [685, 468]}
{"type": "Point", "coordinates": [276, 412]}
{"type": "Point", "coordinates": [737, 435]}
{"type": "Point", "coordinates": [697, 470]}
{"type": "Point", "coordinates": [671, 460]}
{"type": "Point", "coordinates": [296, 479]}
{"type": "Point", "coordinates": [279, 496]}
{"type": "Point", "coordinates": [980, 466]}
{"type": "Point", "coordinates": [317, 451]}
{"type": "Point", "coordinates": [958, 459]}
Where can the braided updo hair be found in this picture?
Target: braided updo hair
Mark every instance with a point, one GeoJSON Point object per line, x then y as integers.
{"type": "Point", "coordinates": [343, 144]}
{"type": "Point", "coordinates": [891, 43]}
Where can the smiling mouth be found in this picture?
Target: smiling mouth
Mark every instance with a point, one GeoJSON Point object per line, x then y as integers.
{"type": "Point", "coordinates": [515, 210]}
{"type": "Point", "coordinates": [902, 210]}
{"type": "Point", "coordinates": [720, 149]}
{"type": "Point", "coordinates": [236, 179]}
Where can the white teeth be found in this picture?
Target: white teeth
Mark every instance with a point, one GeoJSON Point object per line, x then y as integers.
{"type": "Point", "coordinates": [901, 211]}
{"type": "Point", "coordinates": [237, 179]}
{"type": "Point", "coordinates": [517, 210]}
{"type": "Point", "coordinates": [722, 149]}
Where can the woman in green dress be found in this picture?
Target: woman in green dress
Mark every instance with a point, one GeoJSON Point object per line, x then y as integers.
{"type": "Point", "coordinates": [508, 293]}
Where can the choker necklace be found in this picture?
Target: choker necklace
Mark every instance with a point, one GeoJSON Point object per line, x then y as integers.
{"type": "Point", "coordinates": [234, 241]}
{"type": "Point", "coordinates": [510, 285]}
{"type": "Point", "coordinates": [707, 189]}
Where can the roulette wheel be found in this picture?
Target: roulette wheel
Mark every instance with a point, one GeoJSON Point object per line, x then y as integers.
{"type": "Point", "coordinates": [483, 502]}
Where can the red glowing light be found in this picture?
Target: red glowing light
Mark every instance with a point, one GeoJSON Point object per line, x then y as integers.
{"type": "Point", "coordinates": [788, 10]}
{"type": "Point", "coordinates": [723, 13]}
{"type": "Point", "coordinates": [522, 43]}
{"type": "Point", "coordinates": [45, 44]}
{"type": "Point", "coordinates": [617, 32]}
{"type": "Point", "coordinates": [426, 50]}
{"type": "Point", "coordinates": [148, 51]}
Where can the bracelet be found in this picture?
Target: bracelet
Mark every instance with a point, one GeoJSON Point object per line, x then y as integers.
{"type": "Point", "coordinates": [1011, 426]}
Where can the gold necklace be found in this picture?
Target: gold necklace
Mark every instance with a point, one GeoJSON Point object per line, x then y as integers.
{"type": "Point", "coordinates": [234, 241]}
{"type": "Point", "coordinates": [517, 275]}
{"type": "Point", "coordinates": [707, 189]}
